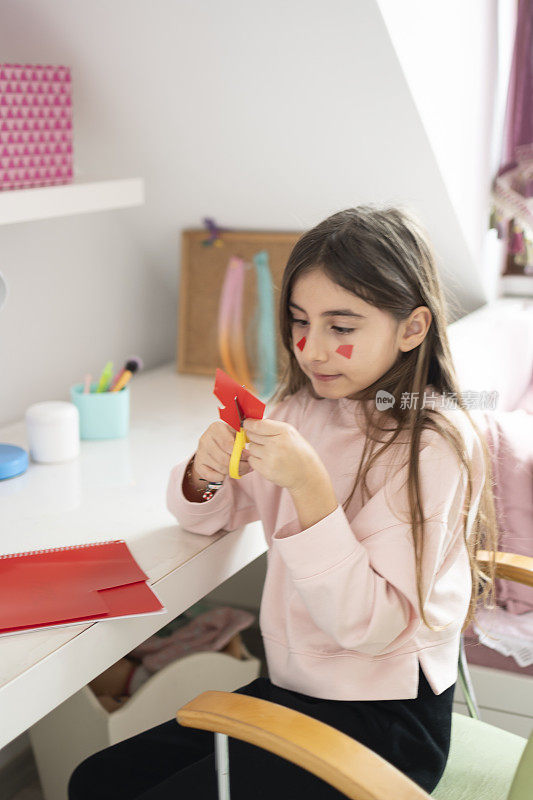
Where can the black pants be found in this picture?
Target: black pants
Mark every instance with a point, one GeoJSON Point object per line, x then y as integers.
{"type": "Point", "coordinates": [171, 762]}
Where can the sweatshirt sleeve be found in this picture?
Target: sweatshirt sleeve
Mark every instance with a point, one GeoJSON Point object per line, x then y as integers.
{"type": "Point", "coordinates": [230, 507]}
{"type": "Point", "coordinates": [358, 579]}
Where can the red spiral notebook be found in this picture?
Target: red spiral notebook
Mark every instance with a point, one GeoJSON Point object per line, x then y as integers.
{"type": "Point", "coordinates": [69, 585]}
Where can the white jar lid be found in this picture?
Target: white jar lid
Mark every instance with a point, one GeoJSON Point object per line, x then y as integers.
{"type": "Point", "coordinates": [52, 411]}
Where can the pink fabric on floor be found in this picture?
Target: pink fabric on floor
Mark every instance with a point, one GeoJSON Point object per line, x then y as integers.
{"type": "Point", "coordinates": [211, 630]}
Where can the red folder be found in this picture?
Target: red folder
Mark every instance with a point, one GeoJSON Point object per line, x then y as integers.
{"type": "Point", "coordinates": [68, 585]}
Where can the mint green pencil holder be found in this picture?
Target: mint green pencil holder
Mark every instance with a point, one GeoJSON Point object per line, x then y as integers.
{"type": "Point", "coordinates": [103, 415]}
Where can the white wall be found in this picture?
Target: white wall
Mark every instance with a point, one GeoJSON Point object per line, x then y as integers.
{"type": "Point", "coordinates": [456, 58]}
{"type": "Point", "coordinates": [260, 115]}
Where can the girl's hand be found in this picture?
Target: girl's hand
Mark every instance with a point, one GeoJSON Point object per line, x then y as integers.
{"type": "Point", "coordinates": [213, 453]}
{"type": "Point", "coordinates": [279, 453]}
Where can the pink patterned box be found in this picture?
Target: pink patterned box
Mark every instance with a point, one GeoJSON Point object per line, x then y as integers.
{"type": "Point", "coordinates": [35, 126]}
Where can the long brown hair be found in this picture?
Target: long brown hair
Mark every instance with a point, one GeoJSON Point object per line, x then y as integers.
{"type": "Point", "coordinates": [383, 256]}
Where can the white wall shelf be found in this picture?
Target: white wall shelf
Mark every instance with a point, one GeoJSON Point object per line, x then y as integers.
{"type": "Point", "coordinates": [45, 202]}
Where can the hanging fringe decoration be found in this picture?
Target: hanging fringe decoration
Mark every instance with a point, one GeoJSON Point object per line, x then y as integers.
{"type": "Point", "coordinates": [265, 327]}
{"type": "Point", "coordinates": [262, 327]}
{"type": "Point", "coordinates": [226, 312]}
{"type": "Point", "coordinates": [231, 341]}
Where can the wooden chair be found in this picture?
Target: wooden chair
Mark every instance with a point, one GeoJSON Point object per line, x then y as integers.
{"type": "Point", "coordinates": [484, 763]}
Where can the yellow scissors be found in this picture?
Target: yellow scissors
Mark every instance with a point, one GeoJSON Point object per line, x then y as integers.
{"type": "Point", "coordinates": [240, 442]}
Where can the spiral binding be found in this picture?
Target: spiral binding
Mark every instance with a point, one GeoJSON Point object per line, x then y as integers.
{"type": "Point", "coordinates": [58, 549]}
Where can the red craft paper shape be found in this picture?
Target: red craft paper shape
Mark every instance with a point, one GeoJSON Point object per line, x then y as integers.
{"type": "Point", "coordinates": [345, 350]}
{"type": "Point", "coordinates": [226, 389]}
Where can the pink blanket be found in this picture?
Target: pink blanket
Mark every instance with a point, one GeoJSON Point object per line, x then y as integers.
{"type": "Point", "coordinates": [509, 435]}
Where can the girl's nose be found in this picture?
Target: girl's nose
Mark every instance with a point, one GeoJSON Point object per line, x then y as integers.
{"type": "Point", "coordinates": [316, 348]}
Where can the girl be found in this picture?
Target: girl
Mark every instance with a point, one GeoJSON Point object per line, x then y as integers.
{"type": "Point", "coordinates": [374, 488]}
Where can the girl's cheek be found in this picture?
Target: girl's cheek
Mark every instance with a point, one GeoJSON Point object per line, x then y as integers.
{"type": "Point", "coordinates": [343, 349]}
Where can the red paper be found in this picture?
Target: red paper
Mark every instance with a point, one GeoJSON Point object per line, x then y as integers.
{"type": "Point", "coordinates": [72, 584]}
{"type": "Point", "coordinates": [226, 389]}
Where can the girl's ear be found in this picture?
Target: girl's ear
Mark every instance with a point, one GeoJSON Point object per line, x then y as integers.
{"type": "Point", "coordinates": [415, 328]}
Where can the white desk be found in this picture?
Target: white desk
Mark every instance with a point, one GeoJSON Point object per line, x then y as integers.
{"type": "Point", "coordinates": [116, 489]}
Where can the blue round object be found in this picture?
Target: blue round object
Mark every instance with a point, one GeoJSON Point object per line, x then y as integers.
{"type": "Point", "coordinates": [13, 461]}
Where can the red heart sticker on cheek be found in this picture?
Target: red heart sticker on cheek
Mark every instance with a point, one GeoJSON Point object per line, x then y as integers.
{"type": "Point", "coordinates": [345, 350]}
{"type": "Point", "coordinates": [301, 343]}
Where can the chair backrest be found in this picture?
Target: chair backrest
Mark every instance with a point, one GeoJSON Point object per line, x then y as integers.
{"type": "Point", "coordinates": [522, 785]}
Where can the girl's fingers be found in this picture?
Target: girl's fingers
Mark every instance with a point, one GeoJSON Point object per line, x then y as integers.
{"type": "Point", "coordinates": [225, 446]}
{"type": "Point", "coordinates": [223, 435]}
{"type": "Point", "coordinates": [212, 474]}
{"type": "Point", "coordinates": [211, 470]}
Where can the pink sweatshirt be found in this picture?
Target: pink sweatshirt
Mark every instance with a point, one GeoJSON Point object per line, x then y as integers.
{"type": "Point", "coordinates": [339, 610]}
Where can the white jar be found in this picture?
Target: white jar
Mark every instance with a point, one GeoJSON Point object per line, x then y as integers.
{"type": "Point", "coordinates": [53, 429]}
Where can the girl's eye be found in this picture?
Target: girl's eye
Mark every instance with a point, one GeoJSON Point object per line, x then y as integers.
{"type": "Point", "coordinates": [341, 331]}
